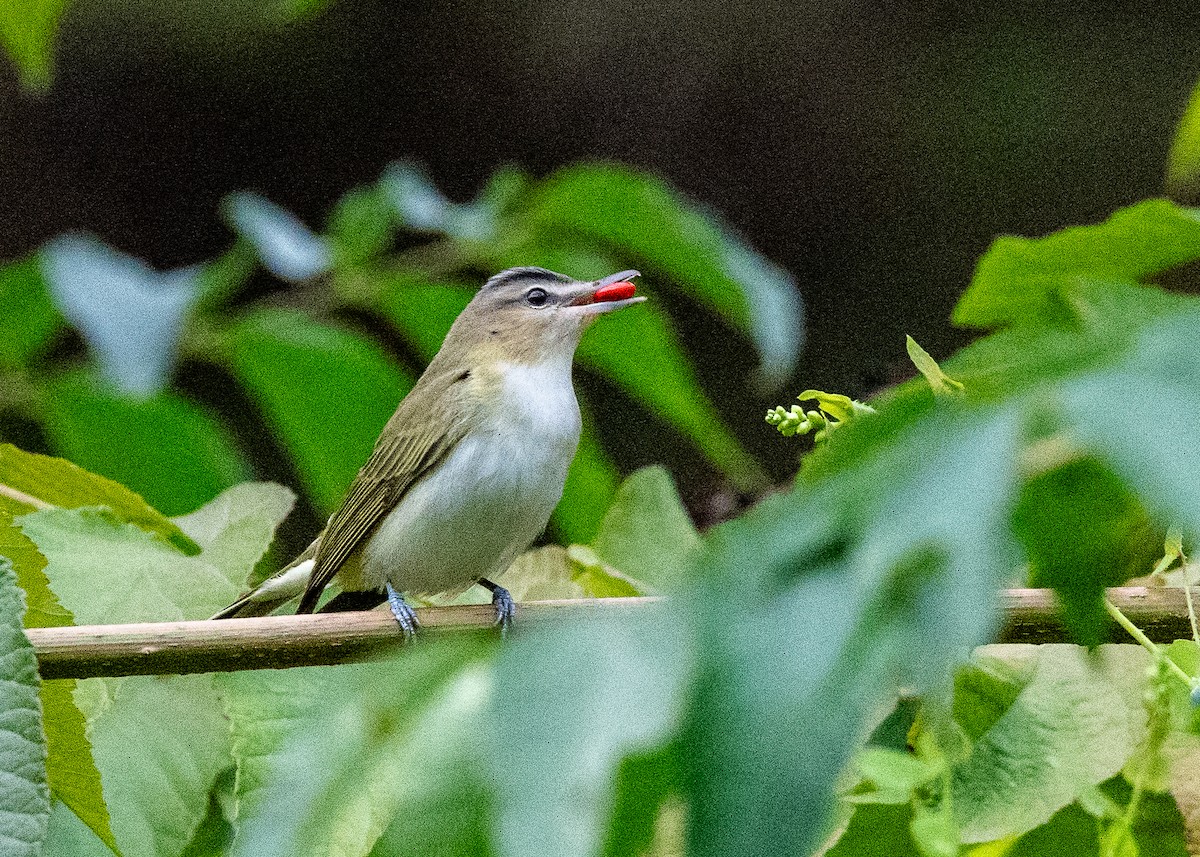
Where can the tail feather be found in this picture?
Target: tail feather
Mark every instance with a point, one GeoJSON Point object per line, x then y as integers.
{"type": "Point", "coordinates": [275, 591]}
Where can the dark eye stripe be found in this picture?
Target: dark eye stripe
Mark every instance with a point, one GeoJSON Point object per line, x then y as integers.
{"type": "Point", "coordinates": [536, 297]}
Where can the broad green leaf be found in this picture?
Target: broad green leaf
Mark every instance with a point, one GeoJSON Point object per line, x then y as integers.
{"type": "Point", "coordinates": [647, 817]}
{"type": "Point", "coordinates": [643, 219]}
{"type": "Point", "coordinates": [325, 391]}
{"type": "Point", "coordinates": [70, 768]}
{"type": "Point", "coordinates": [1030, 280]}
{"type": "Point", "coordinates": [407, 732]}
{"type": "Point", "coordinates": [61, 483]}
{"type": "Point", "coordinates": [878, 830]}
{"type": "Point", "coordinates": [28, 29]}
{"type": "Point", "coordinates": [423, 311]}
{"type": "Point", "coordinates": [130, 314]}
{"type": "Point", "coordinates": [647, 532]}
{"type": "Point", "coordinates": [106, 571]}
{"type": "Point", "coordinates": [1082, 531]}
{"type": "Point", "coordinates": [68, 836]}
{"type": "Point", "coordinates": [160, 745]}
{"type": "Point", "coordinates": [168, 449]}
{"type": "Point", "coordinates": [235, 529]}
{"type": "Point", "coordinates": [29, 319]}
{"type": "Point", "coordinates": [591, 484]}
{"type": "Point", "coordinates": [1067, 731]}
{"type": "Point", "coordinates": [24, 791]}
{"type": "Point", "coordinates": [901, 553]}
{"type": "Point", "coordinates": [1183, 161]}
{"type": "Point", "coordinates": [287, 248]}
{"type": "Point", "coordinates": [361, 227]}
{"type": "Point", "coordinates": [552, 572]}
{"type": "Point", "coordinates": [556, 737]}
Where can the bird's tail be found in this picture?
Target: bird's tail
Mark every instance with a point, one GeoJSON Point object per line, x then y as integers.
{"type": "Point", "coordinates": [276, 590]}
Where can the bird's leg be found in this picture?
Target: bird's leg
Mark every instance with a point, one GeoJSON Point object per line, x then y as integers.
{"type": "Point", "coordinates": [405, 616]}
{"type": "Point", "coordinates": [502, 602]}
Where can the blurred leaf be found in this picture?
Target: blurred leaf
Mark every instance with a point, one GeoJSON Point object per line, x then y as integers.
{"type": "Point", "coordinates": [223, 278]}
{"type": "Point", "coordinates": [70, 768]}
{"type": "Point", "coordinates": [301, 10]}
{"type": "Point", "coordinates": [636, 351]}
{"type": "Point", "coordinates": [556, 737]}
{"type": "Point", "coordinates": [361, 226]}
{"type": "Point", "coordinates": [645, 220]}
{"type": "Point", "coordinates": [1030, 280]}
{"type": "Point", "coordinates": [422, 311]}
{"type": "Point", "coordinates": [287, 248]}
{"type": "Point", "coordinates": [647, 817]}
{"type": "Point", "coordinates": [171, 451]}
{"type": "Point", "coordinates": [106, 572]}
{"type": "Point", "coordinates": [160, 746]}
{"type": "Point", "coordinates": [591, 483]}
{"type": "Point", "coordinates": [878, 830]}
{"type": "Point", "coordinates": [552, 572]}
{"type": "Point", "coordinates": [941, 383]}
{"type": "Point", "coordinates": [61, 483]}
{"type": "Point", "coordinates": [29, 318]}
{"type": "Point", "coordinates": [1067, 731]}
{"type": "Point", "coordinates": [130, 314]}
{"type": "Point", "coordinates": [325, 391]}
{"type": "Point", "coordinates": [407, 739]}
{"type": "Point", "coordinates": [647, 532]}
{"type": "Point", "coordinates": [24, 791]}
{"type": "Point", "coordinates": [901, 553]}
{"type": "Point", "coordinates": [1183, 161]}
{"type": "Point", "coordinates": [28, 29]}
{"type": "Point", "coordinates": [1072, 832]}
{"type": "Point", "coordinates": [422, 207]}
{"type": "Point", "coordinates": [1082, 532]}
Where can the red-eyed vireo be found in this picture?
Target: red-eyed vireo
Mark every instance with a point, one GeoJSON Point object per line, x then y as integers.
{"type": "Point", "coordinates": [467, 471]}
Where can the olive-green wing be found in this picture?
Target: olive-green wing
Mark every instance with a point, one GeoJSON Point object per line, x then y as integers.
{"type": "Point", "coordinates": [407, 449]}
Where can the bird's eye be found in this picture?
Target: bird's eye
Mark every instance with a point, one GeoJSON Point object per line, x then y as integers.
{"type": "Point", "coordinates": [536, 297]}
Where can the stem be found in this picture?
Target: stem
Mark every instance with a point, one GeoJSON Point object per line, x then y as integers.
{"type": "Point", "coordinates": [22, 497]}
{"type": "Point", "coordinates": [1147, 643]}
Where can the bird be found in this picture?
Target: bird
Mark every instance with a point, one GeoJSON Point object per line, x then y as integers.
{"type": "Point", "coordinates": [465, 474]}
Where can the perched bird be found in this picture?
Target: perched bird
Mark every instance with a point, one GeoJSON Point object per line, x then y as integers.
{"type": "Point", "coordinates": [467, 471]}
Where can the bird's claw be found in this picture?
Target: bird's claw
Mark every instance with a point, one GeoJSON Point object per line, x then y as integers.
{"type": "Point", "coordinates": [505, 607]}
{"type": "Point", "coordinates": [405, 616]}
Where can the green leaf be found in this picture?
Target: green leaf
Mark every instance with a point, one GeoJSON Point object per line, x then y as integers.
{"type": "Point", "coordinates": [591, 484]}
{"type": "Point", "coordinates": [898, 554]}
{"type": "Point", "coordinates": [159, 745]}
{"type": "Point", "coordinates": [1027, 280]}
{"type": "Point", "coordinates": [325, 391]}
{"type": "Point", "coordinates": [24, 792]}
{"type": "Point", "coordinates": [70, 768]}
{"type": "Point", "coordinates": [1183, 161]}
{"type": "Point", "coordinates": [61, 483]}
{"type": "Point", "coordinates": [1083, 531]}
{"type": "Point", "coordinates": [68, 836]}
{"type": "Point", "coordinates": [361, 227]}
{"type": "Point", "coordinates": [407, 740]}
{"type": "Point", "coordinates": [941, 383]}
{"type": "Point", "coordinates": [1068, 730]}
{"type": "Point", "coordinates": [637, 351]}
{"type": "Point", "coordinates": [168, 449]}
{"type": "Point", "coordinates": [235, 529]}
{"type": "Point", "coordinates": [556, 737]}
{"type": "Point", "coordinates": [28, 29]}
{"type": "Point", "coordinates": [106, 571]}
{"type": "Point", "coordinates": [553, 572]}
{"type": "Point", "coordinates": [644, 220]}
{"type": "Point", "coordinates": [29, 319]}
{"type": "Point", "coordinates": [878, 830]}
{"type": "Point", "coordinates": [647, 532]}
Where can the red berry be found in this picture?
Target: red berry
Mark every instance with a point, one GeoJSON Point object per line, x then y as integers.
{"type": "Point", "coordinates": [614, 292]}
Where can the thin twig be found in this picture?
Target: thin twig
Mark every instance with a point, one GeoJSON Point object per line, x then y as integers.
{"type": "Point", "coordinates": [22, 497]}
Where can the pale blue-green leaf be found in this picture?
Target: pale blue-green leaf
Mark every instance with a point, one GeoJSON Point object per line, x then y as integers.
{"type": "Point", "coordinates": [286, 247]}
{"type": "Point", "coordinates": [130, 314]}
{"type": "Point", "coordinates": [24, 791]}
{"type": "Point", "coordinates": [105, 571]}
{"type": "Point", "coordinates": [28, 29]}
{"type": "Point", "coordinates": [235, 529]}
{"type": "Point", "coordinates": [414, 198]}
{"type": "Point", "coordinates": [68, 836]}
{"type": "Point", "coordinates": [557, 736]}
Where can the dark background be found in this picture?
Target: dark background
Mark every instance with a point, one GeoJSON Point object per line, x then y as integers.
{"type": "Point", "coordinates": [874, 150]}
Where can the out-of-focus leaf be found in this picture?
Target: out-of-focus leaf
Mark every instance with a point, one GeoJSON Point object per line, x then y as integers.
{"type": "Point", "coordinates": [1158, 830]}
{"type": "Point", "coordinates": [27, 30]}
{"type": "Point", "coordinates": [556, 737]}
{"type": "Point", "coordinates": [326, 392]}
{"type": "Point", "coordinates": [105, 571]}
{"type": "Point", "coordinates": [636, 350]}
{"type": "Point", "coordinates": [70, 768]}
{"type": "Point", "coordinates": [361, 226]}
{"type": "Point", "coordinates": [1082, 531]}
{"type": "Point", "coordinates": [878, 830]}
{"type": "Point", "coordinates": [61, 483]}
{"type": "Point", "coordinates": [941, 383]}
{"type": "Point", "coordinates": [552, 572]}
{"type": "Point", "coordinates": [1183, 161]}
{"type": "Point", "coordinates": [591, 483]}
{"type": "Point", "coordinates": [28, 318]}
{"type": "Point", "coordinates": [169, 450]}
{"type": "Point", "coordinates": [130, 314]}
{"type": "Point", "coordinates": [422, 207]}
{"type": "Point", "coordinates": [408, 741]}
{"type": "Point", "coordinates": [422, 312]}
{"type": "Point", "coordinates": [647, 532]}
{"type": "Point", "coordinates": [644, 220]}
{"type": "Point", "coordinates": [1030, 280]}
{"type": "Point", "coordinates": [221, 279]}
{"type": "Point", "coordinates": [1067, 731]}
{"type": "Point", "coordinates": [159, 745]}
{"type": "Point", "coordinates": [899, 554]}
{"type": "Point", "coordinates": [24, 791]}
{"type": "Point", "coordinates": [287, 248]}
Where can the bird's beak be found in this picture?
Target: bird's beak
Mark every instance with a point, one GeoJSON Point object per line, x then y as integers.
{"type": "Point", "coordinates": [607, 294]}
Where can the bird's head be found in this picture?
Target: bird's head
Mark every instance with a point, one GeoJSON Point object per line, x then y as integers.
{"type": "Point", "coordinates": [528, 315]}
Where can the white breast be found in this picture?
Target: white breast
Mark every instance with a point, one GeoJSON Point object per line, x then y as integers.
{"type": "Point", "coordinates": [491, 496]}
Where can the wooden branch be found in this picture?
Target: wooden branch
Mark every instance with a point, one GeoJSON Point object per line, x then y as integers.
{"type": "Point", "coordinates": [275, 642]}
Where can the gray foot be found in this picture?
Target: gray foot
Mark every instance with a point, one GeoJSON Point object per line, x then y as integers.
{"type": "Point", "coordinates": [405, 616]}
{"type": "Point", "coordinates": [502, 603]}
